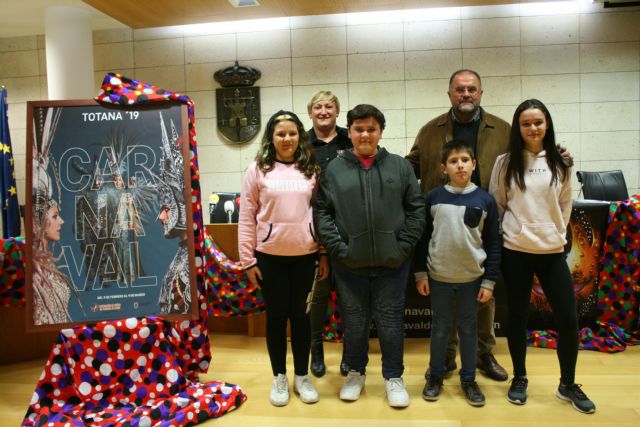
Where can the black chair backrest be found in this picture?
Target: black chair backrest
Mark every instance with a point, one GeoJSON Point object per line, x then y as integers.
{"type": "Point", "coordinates": [606, 185]}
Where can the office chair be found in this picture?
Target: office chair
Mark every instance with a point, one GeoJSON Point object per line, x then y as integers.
{"type": "Point", "coordinates": [605, 185]}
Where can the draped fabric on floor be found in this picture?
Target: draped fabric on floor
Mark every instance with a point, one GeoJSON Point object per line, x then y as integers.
{"type": "Point", "coordinates": [125, 373]}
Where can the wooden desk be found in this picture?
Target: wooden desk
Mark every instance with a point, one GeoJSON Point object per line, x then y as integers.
{"type": "Point", "coordinates": [226, 237]}
{"type": "Point", "coordinates": [17, 344]}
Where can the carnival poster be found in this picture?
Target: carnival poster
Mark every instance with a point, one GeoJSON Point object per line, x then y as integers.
{"type": "Point", "coordinates": [109, 213]}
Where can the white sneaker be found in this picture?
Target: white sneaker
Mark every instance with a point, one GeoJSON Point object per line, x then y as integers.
{"type": "Point", "coordinates": [304, 387]}
{"type": "Point", "coordinates": [396, 393]}
{"type": "Point", "coordinates": [353, 385]}
{"type": "Point", "coordinates": [279, 390]}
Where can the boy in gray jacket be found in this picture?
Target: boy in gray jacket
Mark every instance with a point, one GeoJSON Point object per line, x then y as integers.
{"type": "Point", "coordinates": [457, 263]}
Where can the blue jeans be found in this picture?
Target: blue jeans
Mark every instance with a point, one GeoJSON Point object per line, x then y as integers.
{"type": "Point", "coordinates": [444, 296]}
{"type": "Point", "coordinates": [381, 298]}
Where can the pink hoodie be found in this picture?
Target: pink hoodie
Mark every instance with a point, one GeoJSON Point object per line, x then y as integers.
{"type": "Point", "coordinates": [275, 213]}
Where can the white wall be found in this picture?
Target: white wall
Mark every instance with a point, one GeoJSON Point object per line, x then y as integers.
{"type": "Point", "coordinates": [581, 60]}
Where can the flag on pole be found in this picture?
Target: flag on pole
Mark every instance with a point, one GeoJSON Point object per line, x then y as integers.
{"type": "Point", "coordinates": [9, 193]}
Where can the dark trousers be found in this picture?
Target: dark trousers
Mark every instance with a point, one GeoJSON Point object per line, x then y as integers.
{"type": "Point", "coordinates": [554, 276]}
{"type": "Point", "coordinates": [319, 307]}
{"type": "Point", "coordinates": [486, 334]}
{"type": "Point", "coordinates": [377, 298]}
{"type": "Point", "coordinates": [463, 296]}
{"type": "Point", "coordinates": [286, 282]}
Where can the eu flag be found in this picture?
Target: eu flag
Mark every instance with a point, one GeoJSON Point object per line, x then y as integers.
{"type": "Point", "coordinates": [9, 193]}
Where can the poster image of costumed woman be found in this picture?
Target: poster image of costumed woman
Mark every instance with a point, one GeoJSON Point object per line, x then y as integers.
{"type": "Point", "coordinates": [51, 288]}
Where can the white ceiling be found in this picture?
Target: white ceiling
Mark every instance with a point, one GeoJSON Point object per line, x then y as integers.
{"type": "Point", "coordinates": [26, 17]}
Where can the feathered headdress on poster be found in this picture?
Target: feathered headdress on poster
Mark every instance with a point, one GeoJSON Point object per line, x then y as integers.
{"type": "Point", "coordinates": [143, 192]}
{"type": "Point", "coordinates": [45, 177]}
{"type": "Point", "coordinates": [171, 186]}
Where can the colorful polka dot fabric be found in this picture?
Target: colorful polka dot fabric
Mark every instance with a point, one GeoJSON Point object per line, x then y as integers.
{"type": "Point", "coordinates": [231, 293]}
{"type": "Point", "coordinates": [12, 272]}
{"type": "Point", "coordinates": [618, 306]}
{"type": "Point", "coordinates": [137, 372]}
{"type": "Point", "coordinates": [333, 321]}
{"type": "Point", "coordinates": [124, 373]}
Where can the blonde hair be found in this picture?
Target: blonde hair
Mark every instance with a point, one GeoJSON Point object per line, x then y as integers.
{"type": "Point", "coordinates": [323, 95]}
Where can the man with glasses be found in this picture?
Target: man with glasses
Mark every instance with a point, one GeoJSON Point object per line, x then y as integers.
{"type": "Point", "coordinates": [488, 136]}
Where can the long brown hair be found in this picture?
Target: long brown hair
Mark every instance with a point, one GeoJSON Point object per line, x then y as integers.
{"type": "Point", "coordinates": [304, 156]}
{"type": "Point", "coordinates": [515, 168]}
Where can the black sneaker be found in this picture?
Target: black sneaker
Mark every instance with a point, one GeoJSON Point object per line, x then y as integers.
{"type": "Point", "coordinates": [472, 392]}
{"type": "Point", "coordinates": [574, 394]}
{"type": "Point", "coordinates": [450, 366]}
{"type": "Point", "coordinates": [518, 391]}
{"type": "Point", "coordinates": [431, 391]}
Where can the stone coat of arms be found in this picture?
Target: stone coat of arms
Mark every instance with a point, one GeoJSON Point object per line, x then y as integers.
{"type": "Point", "coordinates": [238, 103]}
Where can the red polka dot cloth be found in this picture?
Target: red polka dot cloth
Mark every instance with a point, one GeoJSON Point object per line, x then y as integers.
{"type": "Point", "coordinates": [124, 373]}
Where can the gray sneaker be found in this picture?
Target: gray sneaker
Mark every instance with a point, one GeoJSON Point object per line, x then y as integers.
{"type": "Point", "coordinates": [517, 393]}
{"type": "Point", "coordinates": [574, 394]}
{"type": "Point", "coordinates": [353, 386]}
{"type": "Point", "coordinates": [304, 387]}
{"type": "Point", "coordinates": [279, 390]}
{"type": "Point", "coordinates": [396, 393]}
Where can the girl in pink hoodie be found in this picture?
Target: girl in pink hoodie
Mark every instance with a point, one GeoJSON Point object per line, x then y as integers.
{"type": "Point", "coordinates": [279, 248]}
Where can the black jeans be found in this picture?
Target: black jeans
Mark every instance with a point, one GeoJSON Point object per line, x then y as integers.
{"type": "Point", "coordinates": [555, 278]}
{"type": "Point", "coordinates": [286, 282]}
